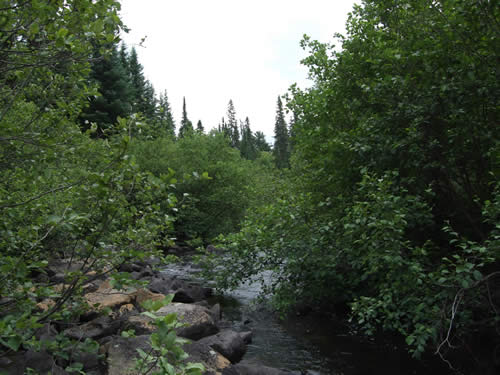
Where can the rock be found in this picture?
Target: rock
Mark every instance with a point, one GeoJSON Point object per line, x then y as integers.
{"type": "Point", "coordinates": [183, 291]}
{"type": "Point", "coordinates": [241, 369]}
{"type": "Point", "coordinates": [142, 295]}
{"type": "Point", "coordinates": [95, 329]}
{"type": "Point", "coordinates": [228, 343]}
{"type": "Point", "coordinates": [60, 266]}
{"type": "Point", "coordinates": [112, 299]}
{"type": "Point", "coordinates": [126, 309]}
{"type": "Point", "coordinates": [90, 361]}
{"type": "Point", "coordinates": [198, 319]}
{"type": "Point", "coordinates": [122, 353]}
{"type": "Point", "coordinates": [106, 296]}
{"type": "Point", "coordinates": [46, 304]}
{"type": "Point", "coordinates": [41, 362]}
{"type": "Point", "coordinates": [141, 324]}
{"type": "Point", "coordinates": [246, 336]}
{"type": "Point", "coordinates": [216, 312]}
{"type": "Point", "coordinates": [202, 353]}
{"type": "Point", "coordinates": [160, 284]}
{"type": "Point", "coordinates": [46, 333]}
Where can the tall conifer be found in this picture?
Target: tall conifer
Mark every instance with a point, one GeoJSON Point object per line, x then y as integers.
{"type": "Point", "coordinates": [165, 116]}
{"type": "Point", "coordinates": [199, 127]}
{"type": "Point", "coordinates": [260, 142]}
{"type": "Point", "coordinates": [247, 146]}
{"type": "Point", "coordinates": [232, 124]}
{"type": "Point", "coordinates": [281, 141]}
{"type": "Point", "coordinates": [186, 124]}
{"type": "Point", "coordinates": [115, 91]}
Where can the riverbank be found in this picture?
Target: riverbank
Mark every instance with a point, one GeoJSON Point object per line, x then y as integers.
{"type": "Point", "coordinates": [115, 328]}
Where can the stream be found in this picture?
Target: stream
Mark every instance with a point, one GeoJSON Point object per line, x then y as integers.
{"type": "Point", "coordinates": [307, 345]}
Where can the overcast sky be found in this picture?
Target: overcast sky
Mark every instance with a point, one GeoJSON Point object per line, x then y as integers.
{"type": "Point", "coordinates": [213, 51]}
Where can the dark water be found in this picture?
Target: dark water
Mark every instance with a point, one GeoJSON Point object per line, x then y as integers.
{"type": "Point", "coordinates": [313, 344]}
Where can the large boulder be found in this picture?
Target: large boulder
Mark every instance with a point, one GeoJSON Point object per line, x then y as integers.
{"type": "Point", "coordinates": [107, 296]}
{"type": "Point", "coordinates": [228, 343]}
{"type": "Point", "coordinates": [122, 354]}
{"type": "Point", "coordinates": [41, 362]}
{"type": "Point", "coordinates": [183, 291]}
{"type": "Point", "coordinates": [199, 321]}
{"type": "Point", "coordinates": [95, 329]}
{"type": "Point", "coordinates": [211, 359]}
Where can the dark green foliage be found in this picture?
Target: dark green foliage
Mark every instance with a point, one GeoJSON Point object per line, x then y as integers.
{"type": "Point", "coordinates": [281, 150]}
{"type": "Point", "coordinates": [199, 127]}
{"type": "Point", "coordinates": [115, 93]}
{"type": "Point", "coordinates": [165, 118]}
{"type": "Point", "coordinates": [261, 143]}
{"type": "Point", "coordinates": [143, 95]}
{"type": "Point", "coordinates": [248, 147]}
{"type": "Point", "coordinates": [232, 125]}
{"type": "Point", "coordinates": [186, 125]}
{"type": "Point", "coordinates": [392, 204]}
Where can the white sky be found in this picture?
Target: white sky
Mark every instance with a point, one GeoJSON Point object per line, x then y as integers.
{"type": "Point", "coordinates": [213, 51]}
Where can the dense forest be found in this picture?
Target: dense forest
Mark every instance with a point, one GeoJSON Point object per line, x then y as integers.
{"type": "Point", "coordinates": [378, 201]}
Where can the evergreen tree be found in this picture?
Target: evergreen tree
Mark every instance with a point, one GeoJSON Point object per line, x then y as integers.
{"type": "Point", "coordinates": [247, 147]}
{"type": "Point", "coordinates": [224, 129]}
{"type": "Point", "coordinates": [232, 124]}
{"type": "Point", "coordinates": [199, 127]}
{"type": "Point", "coordinates": [186, 124]}
{"type": "Point", "coordinates": [292, 132]}
{"type": "Point", "coordinates": [144, 100]}
{"type": "Point", "coordinates": [261, 143]}
{"type": "Point", "coordinates": [281, 141]}
{"type": "Point", "coordinates": [115, 91]}
{"type": "Point", "coordinates": [165, 118]}
{"type": "Point", "coordinates": [124, 57]}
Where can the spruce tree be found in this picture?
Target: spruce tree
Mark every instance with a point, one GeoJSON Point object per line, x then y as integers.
{"type": "Point", "coordinates": [261, 143]}
{"type": "Point", "coordinates": [232, 124]}
{"type": "Point", "coordinates": [165, 117]}
{"type": "Point", "coordinates": [144, 99]}
{"type": "Point", "coordinates": [247, 146]}
{"type": "Point", "coordinates": [281, 141]}
{"type": "Point", "coordinates": [186, 125]}
{"type": "Point", "coordinates": [124, 57]}
{"type": "Point", "coordinates": [115, 91]}
{"type": "Point", "coordinates": [199, 127]}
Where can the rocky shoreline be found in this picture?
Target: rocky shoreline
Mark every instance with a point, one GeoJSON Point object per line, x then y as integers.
{"type": "Point", "coordinates": [115, 311]}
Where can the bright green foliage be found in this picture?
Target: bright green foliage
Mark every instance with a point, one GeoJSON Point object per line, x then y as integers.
{"type": "Point", "coordinates": [214, 184]}
{"type": "Point", "coordinates": [63, 194]}
{"type": "Point", "coordinates": [186, 125]}
{"type": "Point", "coordinates": [392, 205]}
{"type": "Point", "coordinates": [281, 149]}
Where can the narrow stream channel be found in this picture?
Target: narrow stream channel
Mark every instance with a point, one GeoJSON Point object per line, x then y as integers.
{"type": "Point", "coordinates": [310, 345]}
